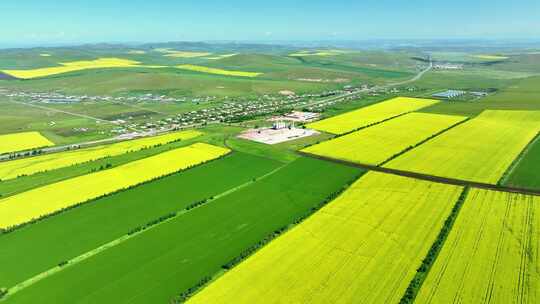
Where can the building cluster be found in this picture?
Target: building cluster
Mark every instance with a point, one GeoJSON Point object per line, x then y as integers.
{"type": "Point", "coordinates": [452, 94]}
{"type": "Point", "coordinates": [231, 111]}
{"type": "Point", "coordinates": [237, 110]}
{"type": "Point", "coordinates": [448, 66]}
{"type": "Point", "coordinates": [61, 98]}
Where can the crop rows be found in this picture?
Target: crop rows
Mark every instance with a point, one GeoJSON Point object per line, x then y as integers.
{"type": "Point", "coordinates": [491, 254]}
{"type": "Point", "coordinates": [39, 202]}
{"type": "Point", "coordinates": [90, 225]}
{"type": "Point", "coordinates": [46, 162]}
{"type": "Point", "coordinates": [364, 247]}
{"type": "Point", "coordinates": [370, 115]}
{"type": "Point", "coordinates": [376, 144]}
{"type": "Point", "coordinates": [162, 263]}
{"type": "Point", "coordinates": [479, 150]}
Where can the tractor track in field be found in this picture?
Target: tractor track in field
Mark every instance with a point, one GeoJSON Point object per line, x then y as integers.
{"type": "Point", "coordinates": [427, 177]}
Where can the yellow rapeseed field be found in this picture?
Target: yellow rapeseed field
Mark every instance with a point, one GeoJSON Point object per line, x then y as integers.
{"type": "Point", "coordinates": [372, 114]}
{"type": "Point", "coordinates": [203, 69]}
{"type": "Point", "coordinates": [492, 253]}
{"type": "Point", "coordinates": [23, 141]}
{"type": "Point", "coordinates": [46, 162]}
{"type": "Point", "coordinates": [377, 144]}
{"type": "Point", "coordinates": [66, 67]}
{"type": "Point", "coordinates": [33, 204]}
{"type": "Point", "coordinates": [364, 247]}
{"type": "Point", "coordinates": [491, 57]}
{"type": "Point", "coordinates": [479, 150]}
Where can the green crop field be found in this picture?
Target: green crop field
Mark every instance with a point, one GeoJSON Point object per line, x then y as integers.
{"type": "Point", "coordinates": [365, 247]}
{"type": "Point", "coordinates": [301, 221]}
{"type": "Point", "coordinates": [91, 225]}
{"type": "Point", "coordinates": [191, 246]}
{"type": "Point", "coordinates": [526, 172]}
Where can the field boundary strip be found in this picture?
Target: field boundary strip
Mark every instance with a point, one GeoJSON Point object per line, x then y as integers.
{"type": "Point", "coordinates": [427, 263]}
{"type": "Point", "coordinates": [15, 228]}
{"type": "Point", "coordinates": [427, 177]}
{"type": "Point", "coordinates": [517, 160]}
{"type": "Point", "coordinates": [370, 125]}
{"type": "Point", "coordinates": [423, 141]}
{"type": "Point", "coordinates": [74, 198]}
{"type": "Point", "coordinates": [328, 240]}
{"type": "Point", "coordinates": [480, 150]}
{"type": "Point", "coordinates": [369, 115]}
{"type": "Point", "coordinates": [494, 243]}
{"type": "Point", "coordinates": [36, 164]}
{"type": "Point", "coordinates": [129, 235]}
{"type": "Point", "coordinates": [383, 142]}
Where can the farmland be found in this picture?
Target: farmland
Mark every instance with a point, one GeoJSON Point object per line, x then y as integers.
{"type": "Point", "coordinates": [66, 67]}
{"type": "Point", "coordinates": [55, 197]}
{"type": "Point", "coordinates": [526, 172]}
{"type": "Point", "coordinates": [491, 255]}
{"type": "Point", "coordinates": [193, 245]}
{"type": "Point", "coordinates": [364, 247]}
{"type": "Point", "coordinates": [214, 70]}
{"type": "Point", "coordinates": [370, 115]}
{"type": "Point", "coordinates": [479, 150]}
{"type": "Point", "coordinates": [377, 144]}
{"type": "Point", "coordinates": [203, 69]}
{"type": "Point", "coordinates": [47, 162]}
{"type": "Point", "coordinates": [388, 203]}
{"type": "Point", "coordinates": [106, 219]}
{"type": "Point", "coordinates": [22, 141]}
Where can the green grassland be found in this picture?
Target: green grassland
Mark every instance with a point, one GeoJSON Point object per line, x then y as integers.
{"type": "Point", "coordinates": [192, 246]}
{"type": "Point", "coordinates": [56, 126]}
{"type": "Point", "coordinates": [38, 248]}
{"type": "Point", "coordinates": [280, 72]}
{"type": "Point", "coordinates": [173, 82]}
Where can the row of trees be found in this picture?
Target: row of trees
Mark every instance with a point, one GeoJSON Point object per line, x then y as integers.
{"type": "Point", "coordinates": [251, 250]}
{"type": "Point", "coordinates": [16, 227]}
{"type": "Point", "coordinates": [427, 263]}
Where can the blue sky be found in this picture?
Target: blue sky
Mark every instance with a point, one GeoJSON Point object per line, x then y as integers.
{"type": "Point", "coordinates": [80, 21]}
